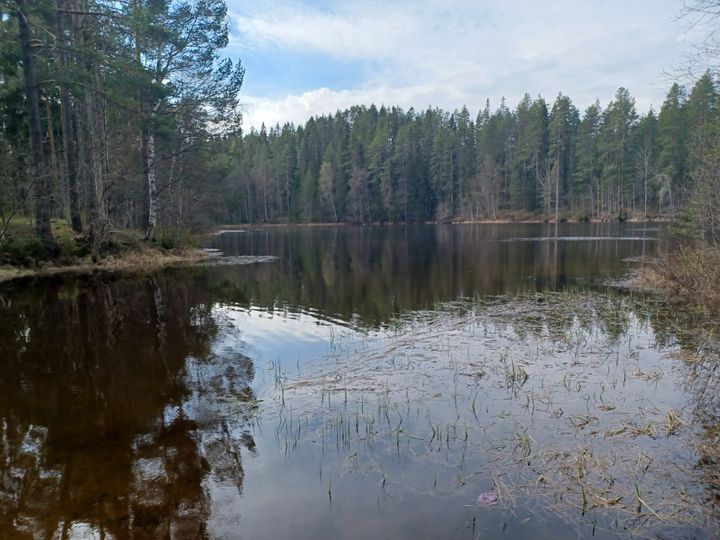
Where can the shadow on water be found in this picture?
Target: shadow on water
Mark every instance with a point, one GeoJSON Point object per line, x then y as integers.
{"type": "Point", "coordinates": [368, 382]}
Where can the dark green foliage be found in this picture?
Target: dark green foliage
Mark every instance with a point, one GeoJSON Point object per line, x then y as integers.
{"type": "Point", "coordinates": [175, 238]}
{"type": "Point", "coordinates": [22, 251]}
{"type": "Point", "coordinates": [389, 165]}
{"type": "Point", "coordinates": [140, 130]}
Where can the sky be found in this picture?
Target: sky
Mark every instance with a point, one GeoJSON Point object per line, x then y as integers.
{"type": "Point", "coordinates": [305, 58]}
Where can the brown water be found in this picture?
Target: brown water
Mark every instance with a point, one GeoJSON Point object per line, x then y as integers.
{"type": "Point", "coordinates": [365, 383]}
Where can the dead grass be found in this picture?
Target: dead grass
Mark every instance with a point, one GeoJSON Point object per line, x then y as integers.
{"type": "Point", "coordinates": [690, 274]}
{"type": "Point", "coordinates": [138, 259]}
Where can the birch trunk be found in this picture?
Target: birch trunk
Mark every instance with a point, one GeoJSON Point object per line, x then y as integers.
{"type": "Point", "coordinates": [152, 177]}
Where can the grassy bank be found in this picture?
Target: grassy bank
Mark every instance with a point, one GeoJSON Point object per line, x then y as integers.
{"type": "Point", "coordinates": [690, 274]}
{"type": "Point", "coordinates": [23, 255]}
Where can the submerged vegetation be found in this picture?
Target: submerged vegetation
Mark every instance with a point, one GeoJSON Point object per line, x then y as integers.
{"type": "Point", "coordinates": [562, 409]}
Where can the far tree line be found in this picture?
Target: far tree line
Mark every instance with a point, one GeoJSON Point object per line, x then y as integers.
{"type": "Point", "coordinates": [540, 159]}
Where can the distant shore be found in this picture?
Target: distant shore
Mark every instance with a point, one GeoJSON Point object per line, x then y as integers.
{"type": "Point", "coordinates": [500, 221]}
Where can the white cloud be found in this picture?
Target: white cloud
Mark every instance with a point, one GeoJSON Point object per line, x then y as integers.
{"type": "Point", "coordinates": [455, 52]}
{"type": "Point", "coordinates": [298, 108]}
{"type": "Point", "coordinates": [345, 36]}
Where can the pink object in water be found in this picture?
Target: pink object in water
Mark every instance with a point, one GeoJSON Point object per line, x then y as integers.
{"type": "Point", "coordinates": [487, 499]}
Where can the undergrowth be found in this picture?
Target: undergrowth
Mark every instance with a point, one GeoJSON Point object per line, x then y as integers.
{"type": "Point", "coordinates": [690, 273]}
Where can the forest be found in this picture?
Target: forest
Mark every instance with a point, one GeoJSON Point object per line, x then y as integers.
{"type": "Point", "coordinates": [106, 112]}
{"type": "Point", "coordinates": [538, 160]}
{"type": "Point", "coordinates": [125, 115]}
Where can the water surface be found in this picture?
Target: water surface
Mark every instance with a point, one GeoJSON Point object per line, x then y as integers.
{"type": "Point", "coordinates": [362, 382]}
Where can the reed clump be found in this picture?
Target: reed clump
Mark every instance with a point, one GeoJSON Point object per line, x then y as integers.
{"type": "Point", "coordinates": [691, 274]}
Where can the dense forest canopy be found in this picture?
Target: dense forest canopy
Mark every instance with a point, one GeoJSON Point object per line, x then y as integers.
{"type": "Point", "coordinates": [124, 115]}
{"type": "Point", "coordinates": [540, 159]}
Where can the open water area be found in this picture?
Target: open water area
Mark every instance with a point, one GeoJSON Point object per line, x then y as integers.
{"type": "Point", "coordinates": [425, 381]}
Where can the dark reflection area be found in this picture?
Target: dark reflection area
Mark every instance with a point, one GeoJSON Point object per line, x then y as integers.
{"type": "Point", "coordinates": [103, 427]}
{"type": "Point", "coordinates": [370, 274]}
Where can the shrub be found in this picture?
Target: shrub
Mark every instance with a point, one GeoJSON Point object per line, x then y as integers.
{"type": "Point", "coordinates": [583, 216]}
{"type": "Point", "coordinates": [22, 251]}
{"type": "Point", "coordinates": [692, 273]}
{"type": "Point", "coordinates": [175, 239]}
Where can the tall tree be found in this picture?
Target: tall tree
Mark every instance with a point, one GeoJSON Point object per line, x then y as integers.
{"type": "Point", "coordinates": [646, 151]}
{"type": "Point", "coordinates": [563, 125]}
{"type": "Point", "coordinates": [585, 189]}
{"type": "Point", "coordinates": [618, 120]}
{"type": "Point", "coordinates": [673, 145]}
{"type": "Point", "coordinates": [179, 51]}
{"type": "Point", "coordinates": [32, 103]}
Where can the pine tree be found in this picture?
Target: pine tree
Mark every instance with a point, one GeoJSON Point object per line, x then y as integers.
{"type": "Point", "coordinates": [585, 187]}
{"type": "Point", "coordinates": [562, 128]}
{"type": "Point", "coordinates": [672, 139]}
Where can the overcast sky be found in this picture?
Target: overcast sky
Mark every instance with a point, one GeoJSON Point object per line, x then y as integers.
{"type": "Point", "coordinates": [313, 57]}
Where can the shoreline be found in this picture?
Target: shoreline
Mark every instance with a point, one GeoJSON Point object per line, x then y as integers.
{"type": "Point", "coordinates": [148, 260]}
{"type": "Point", "coordinates": [500, 221]}
{"type": "Point", "coordinates": [124, 263]}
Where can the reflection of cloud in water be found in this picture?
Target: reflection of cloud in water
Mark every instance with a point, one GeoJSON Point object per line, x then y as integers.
{"type": "Point", "coordinates": [548, 402]}
{"type": "Point", "coordinates": [283, 337]}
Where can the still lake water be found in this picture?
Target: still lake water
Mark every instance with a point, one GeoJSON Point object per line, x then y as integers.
{"type": "Point", "coordinates": [363, 382]}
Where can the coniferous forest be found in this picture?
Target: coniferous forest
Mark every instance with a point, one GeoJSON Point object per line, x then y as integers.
{"type": "Point", "coordinates": [125, 115]}
{"type": "Point", "coordinates": [538, 160]}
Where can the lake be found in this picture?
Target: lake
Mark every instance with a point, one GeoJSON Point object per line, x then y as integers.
{"type": "Point", "coordinates": [429, 381]}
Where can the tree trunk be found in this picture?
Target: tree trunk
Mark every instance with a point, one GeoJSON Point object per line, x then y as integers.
{"type": "Point", "coordinates": [647, 159]}
{"type": "Point", "coordinates": [42, 195]}
{"type": "Point", "coordinates": [86, 125]}
{"type": "Point", "coordinates": [70, 160]}
{"type": "Point", "coordinates": [151, 178]}
{"type": "Point", "coordinates": [332, 204]}
{"type": "Point", "coordinates": [69, 145]}
{"type": "Point", "coordinates": [101, 158]}
{"type": "Point", "coordinates": [557, 183]}
{"type": "Point", "coordinates": [152, 188]}
{"type": "Point", "coordinates": [54, 173]}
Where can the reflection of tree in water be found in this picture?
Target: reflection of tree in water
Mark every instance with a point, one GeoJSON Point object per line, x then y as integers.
{"type": "Point", "coordinates": [102, 424]}
{"type": "Point", "coordinates": [375, 273]}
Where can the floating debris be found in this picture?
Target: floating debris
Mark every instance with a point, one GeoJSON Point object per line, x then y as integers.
{"type": "Point", "coordinates": [488, 498]}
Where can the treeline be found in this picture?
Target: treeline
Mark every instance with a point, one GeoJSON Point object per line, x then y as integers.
{"type": "Point", "coordinates": [106, 111]}
{"type": "Point", "coordinates": [544, 160]}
